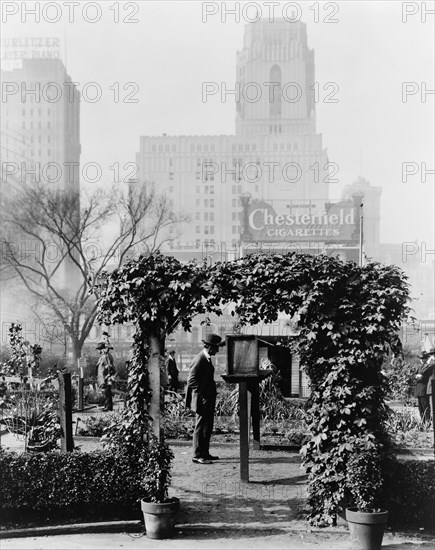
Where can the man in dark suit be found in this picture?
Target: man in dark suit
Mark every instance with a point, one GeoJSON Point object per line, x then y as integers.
{"type": "Point", "coordinates": [172, 371]}
{"type": "Point", "coordinates": [422, 376]}
{"type": "Point", "coordinates": [201, 398]}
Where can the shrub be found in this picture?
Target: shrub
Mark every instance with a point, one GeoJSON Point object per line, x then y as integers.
{"type": "Point", "coordinates": [94, 427]}
{"type": "Point", "coordinates": [410, 493]}
{"type": "Point", "coordinates": [57, 484]}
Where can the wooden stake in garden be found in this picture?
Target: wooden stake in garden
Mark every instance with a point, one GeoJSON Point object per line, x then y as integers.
{"type": "Point", "coordinates": [65, 412]}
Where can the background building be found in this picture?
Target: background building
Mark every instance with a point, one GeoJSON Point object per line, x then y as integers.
{"type": "Point", "coordinates": [275, 153]}
{"type": "Point", "coordinates": [40, 144]}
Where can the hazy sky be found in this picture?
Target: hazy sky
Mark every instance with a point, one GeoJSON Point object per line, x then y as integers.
{"type": "Point", "coordinates": [171, 51]}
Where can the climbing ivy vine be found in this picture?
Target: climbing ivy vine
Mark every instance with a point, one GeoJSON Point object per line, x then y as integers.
{"type": "Point", "coordinates": [348, 319]}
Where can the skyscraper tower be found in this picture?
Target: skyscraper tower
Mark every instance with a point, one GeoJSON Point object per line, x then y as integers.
{"type": "Point", "coordinates": [275, 60]}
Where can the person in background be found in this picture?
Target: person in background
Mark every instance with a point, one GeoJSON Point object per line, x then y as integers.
{"type": "Point", "coordinates": [201, 398]}
{"type": "Point", "coordinates": [430, 365]}
{"type": "Point", "coordinates": [105, 375]}
{"type": "Point", "coordinates": [172, 371]}
{"type": "Point", "coordinates": [422, 375]}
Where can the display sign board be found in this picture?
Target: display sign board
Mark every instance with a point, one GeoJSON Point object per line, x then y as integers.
{"type": "Point", "coordinates": [242, 355]}
{"type": "Point", "coordinates": [331, 222]}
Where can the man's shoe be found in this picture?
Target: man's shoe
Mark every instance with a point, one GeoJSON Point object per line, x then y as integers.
{"type": "Point", "coordinates": [202, 460]}
{"type": "Point", "coordinates": [211, 457]}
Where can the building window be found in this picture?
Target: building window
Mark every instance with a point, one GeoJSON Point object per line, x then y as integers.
{"type": "Point", "coordinates": [234, 216]}
{"type": "Point", "coordinates": [234, 229]}
{"type": "Point", "coordinates": [206, 189]}
{"type": "Point", "coordinates": [206, 216]}
{"type": "Point", "coordinates": [49, 152]}
{"type": "Point", "coordinates": [206, 230]}
{"type": "Point", "coordinates": [211, 203]}
{"type": "Point", "coordinates": [48, 139]}
{"type": "Point", "coordinates": [198, 229]}
{"type": "Point", "coordinates": [197, 215]}
{"type": "Point", "coordinates": [212, 216]}
{"type": "Point", "coordinates": [48, 124]}
{"type": "Point", "coordinates": [212, 230]}
{"type": "Point", "coordinates": [171, 189]}
{"type": "Point", "coordinates": [197, 202]}
{"type": "Point", "coordinates": [234, 202]}
{"type": "Point", "coordinates": [206, 202]}
{"type": "Point", "coordinates": [198, 189]}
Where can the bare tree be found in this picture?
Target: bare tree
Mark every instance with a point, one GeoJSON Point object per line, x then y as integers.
{"type": "Point", "coordinates": [72, 243]}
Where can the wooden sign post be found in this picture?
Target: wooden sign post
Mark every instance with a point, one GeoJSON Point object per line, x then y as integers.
{"type": "Point", "coordinates": [65, 412]}
{"type": "Point", "coordinates": [243, 368]}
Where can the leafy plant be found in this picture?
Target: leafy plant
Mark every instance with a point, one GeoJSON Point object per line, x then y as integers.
{"type": "Point", "coordinates": [400, 372]}
{"type": "Point", "coordinates": [157, 471]}
{"type": "Point", "coordinates": [94, 426]}
{"type": "Point", "coordinates": [364, 480]}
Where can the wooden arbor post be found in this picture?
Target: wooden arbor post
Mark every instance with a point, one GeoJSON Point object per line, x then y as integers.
{"type": "Point", "coordinates": [155, 382]}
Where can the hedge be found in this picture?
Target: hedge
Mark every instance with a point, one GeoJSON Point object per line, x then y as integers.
{"type": "Point", "coordinates": [410, 500]}
{"type": "Point", "coordinates": [56, 484]}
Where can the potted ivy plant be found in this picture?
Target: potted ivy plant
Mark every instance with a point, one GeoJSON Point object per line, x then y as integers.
{"type": "Point", "coordinates": [364, 482]}
{"type": "Point", "coordinates": [158, 508]}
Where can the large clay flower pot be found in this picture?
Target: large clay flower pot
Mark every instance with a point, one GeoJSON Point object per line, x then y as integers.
{"type": "Point", "coordinates": [160, 518]}
{"type": "Point", "coordinates": [366, 528]}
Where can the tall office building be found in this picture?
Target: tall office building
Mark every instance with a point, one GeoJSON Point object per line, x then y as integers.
{"type": "Point", "coordinates": [275, 155]}
{"type": "Point", "coordinates": [40, 126]}
{"type": "Point", "coordinates": [40, 144]}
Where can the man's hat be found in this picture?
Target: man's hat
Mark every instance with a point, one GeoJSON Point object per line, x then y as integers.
{"type": "Point", "coordinates": [427, 353]}
{"type": "Point", "coordinates": [213, 340]}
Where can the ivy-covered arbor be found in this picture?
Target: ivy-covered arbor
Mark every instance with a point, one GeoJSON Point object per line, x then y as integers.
{"type": "Point", "coordinates": [348, 316]}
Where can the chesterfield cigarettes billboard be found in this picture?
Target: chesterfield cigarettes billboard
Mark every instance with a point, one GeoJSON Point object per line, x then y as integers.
{"type": "Point", "coordinates": [333, 222]}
